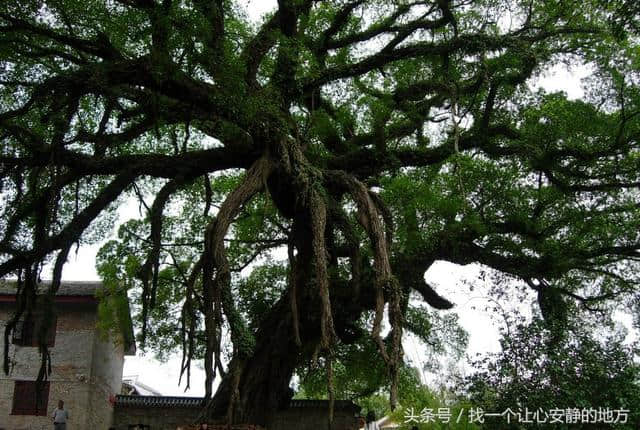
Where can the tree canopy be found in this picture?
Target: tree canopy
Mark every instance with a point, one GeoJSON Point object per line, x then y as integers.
{"type": "Point", "coordinates": [298, 175]}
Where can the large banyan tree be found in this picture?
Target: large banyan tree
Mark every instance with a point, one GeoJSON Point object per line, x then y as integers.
{"type": "Point", "coordinates": [297, 176]}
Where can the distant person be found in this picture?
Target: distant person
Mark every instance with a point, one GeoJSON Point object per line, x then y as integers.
{"type": "Point", "coordinates": [371, 422]}
{"type": "Point", "coordinates": [60, 416]}
{"type": "Point", "coordinates": [203, 426]}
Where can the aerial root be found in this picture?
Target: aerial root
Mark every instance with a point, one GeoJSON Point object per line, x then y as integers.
{"type": "Point", "coordinates": [291, 281]}
{"type": "Point", "coordinates": [148, 272]}
{"type": "Point", "coordinates": [188, 333]}
{"type": "Point", "coordinates": [340, 219]}
{"type": "Point", "coordinates": [397, 321]}
{"type": "Point", "coordinates": [369, 218]}
{"type": "Point", "coordinates": [217, 289]}
{"type": "Point", "coordinates": [370, 210]}
{"type": "Point", "coordinates": [318, 211]}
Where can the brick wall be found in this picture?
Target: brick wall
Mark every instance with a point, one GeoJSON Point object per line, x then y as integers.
{"type": "Point", "coordinates": [86, 372]}
{"type": "Point", "coordinates": [71, 371]}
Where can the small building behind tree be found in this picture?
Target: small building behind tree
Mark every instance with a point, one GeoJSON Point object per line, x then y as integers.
{"type": "Point", "coordinates": [86, 364]}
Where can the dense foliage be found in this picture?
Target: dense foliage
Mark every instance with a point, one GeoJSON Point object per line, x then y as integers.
{"type": "Point", "coordinates": [587, 370]}
{"type": "Point", "coordinates": [298, 175]}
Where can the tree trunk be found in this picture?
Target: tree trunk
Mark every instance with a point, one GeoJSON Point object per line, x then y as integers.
{"type": "Point", "coordinates": [266, 374]}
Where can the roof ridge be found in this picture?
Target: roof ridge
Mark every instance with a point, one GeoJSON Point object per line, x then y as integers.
{"type": "Point", "coordinates": [125, 400]}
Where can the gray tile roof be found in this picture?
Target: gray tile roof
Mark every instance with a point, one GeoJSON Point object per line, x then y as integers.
{"type": "Point", "coordinates": [158, 402]}
{"type": "Point", "coordinates": [196, 402]}
{"type": "Point", "coordinates": [67, 288]}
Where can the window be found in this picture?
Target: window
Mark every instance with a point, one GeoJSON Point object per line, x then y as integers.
{"type": "Point", "coordinates": [26, 400]}
{"type": "Point", "coordinates": [26, 331]}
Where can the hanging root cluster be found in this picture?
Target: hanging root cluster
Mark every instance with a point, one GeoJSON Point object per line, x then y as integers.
{"type": "Point", "coordinates": [322, 211]}
{"type": "Point", "coordinates": [373, 216]}
{"type": "Point", "coordinates": [307, 182]}
{"type": "Point", "coordinates": [213, 272]}
{"type": "Point", "coordinates": [216, 276]}
{"type": "Point", "coordinates": [371, 213]}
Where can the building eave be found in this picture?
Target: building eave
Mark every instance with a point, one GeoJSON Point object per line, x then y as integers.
{"type": "Point", "coordinates": [11, 298]}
